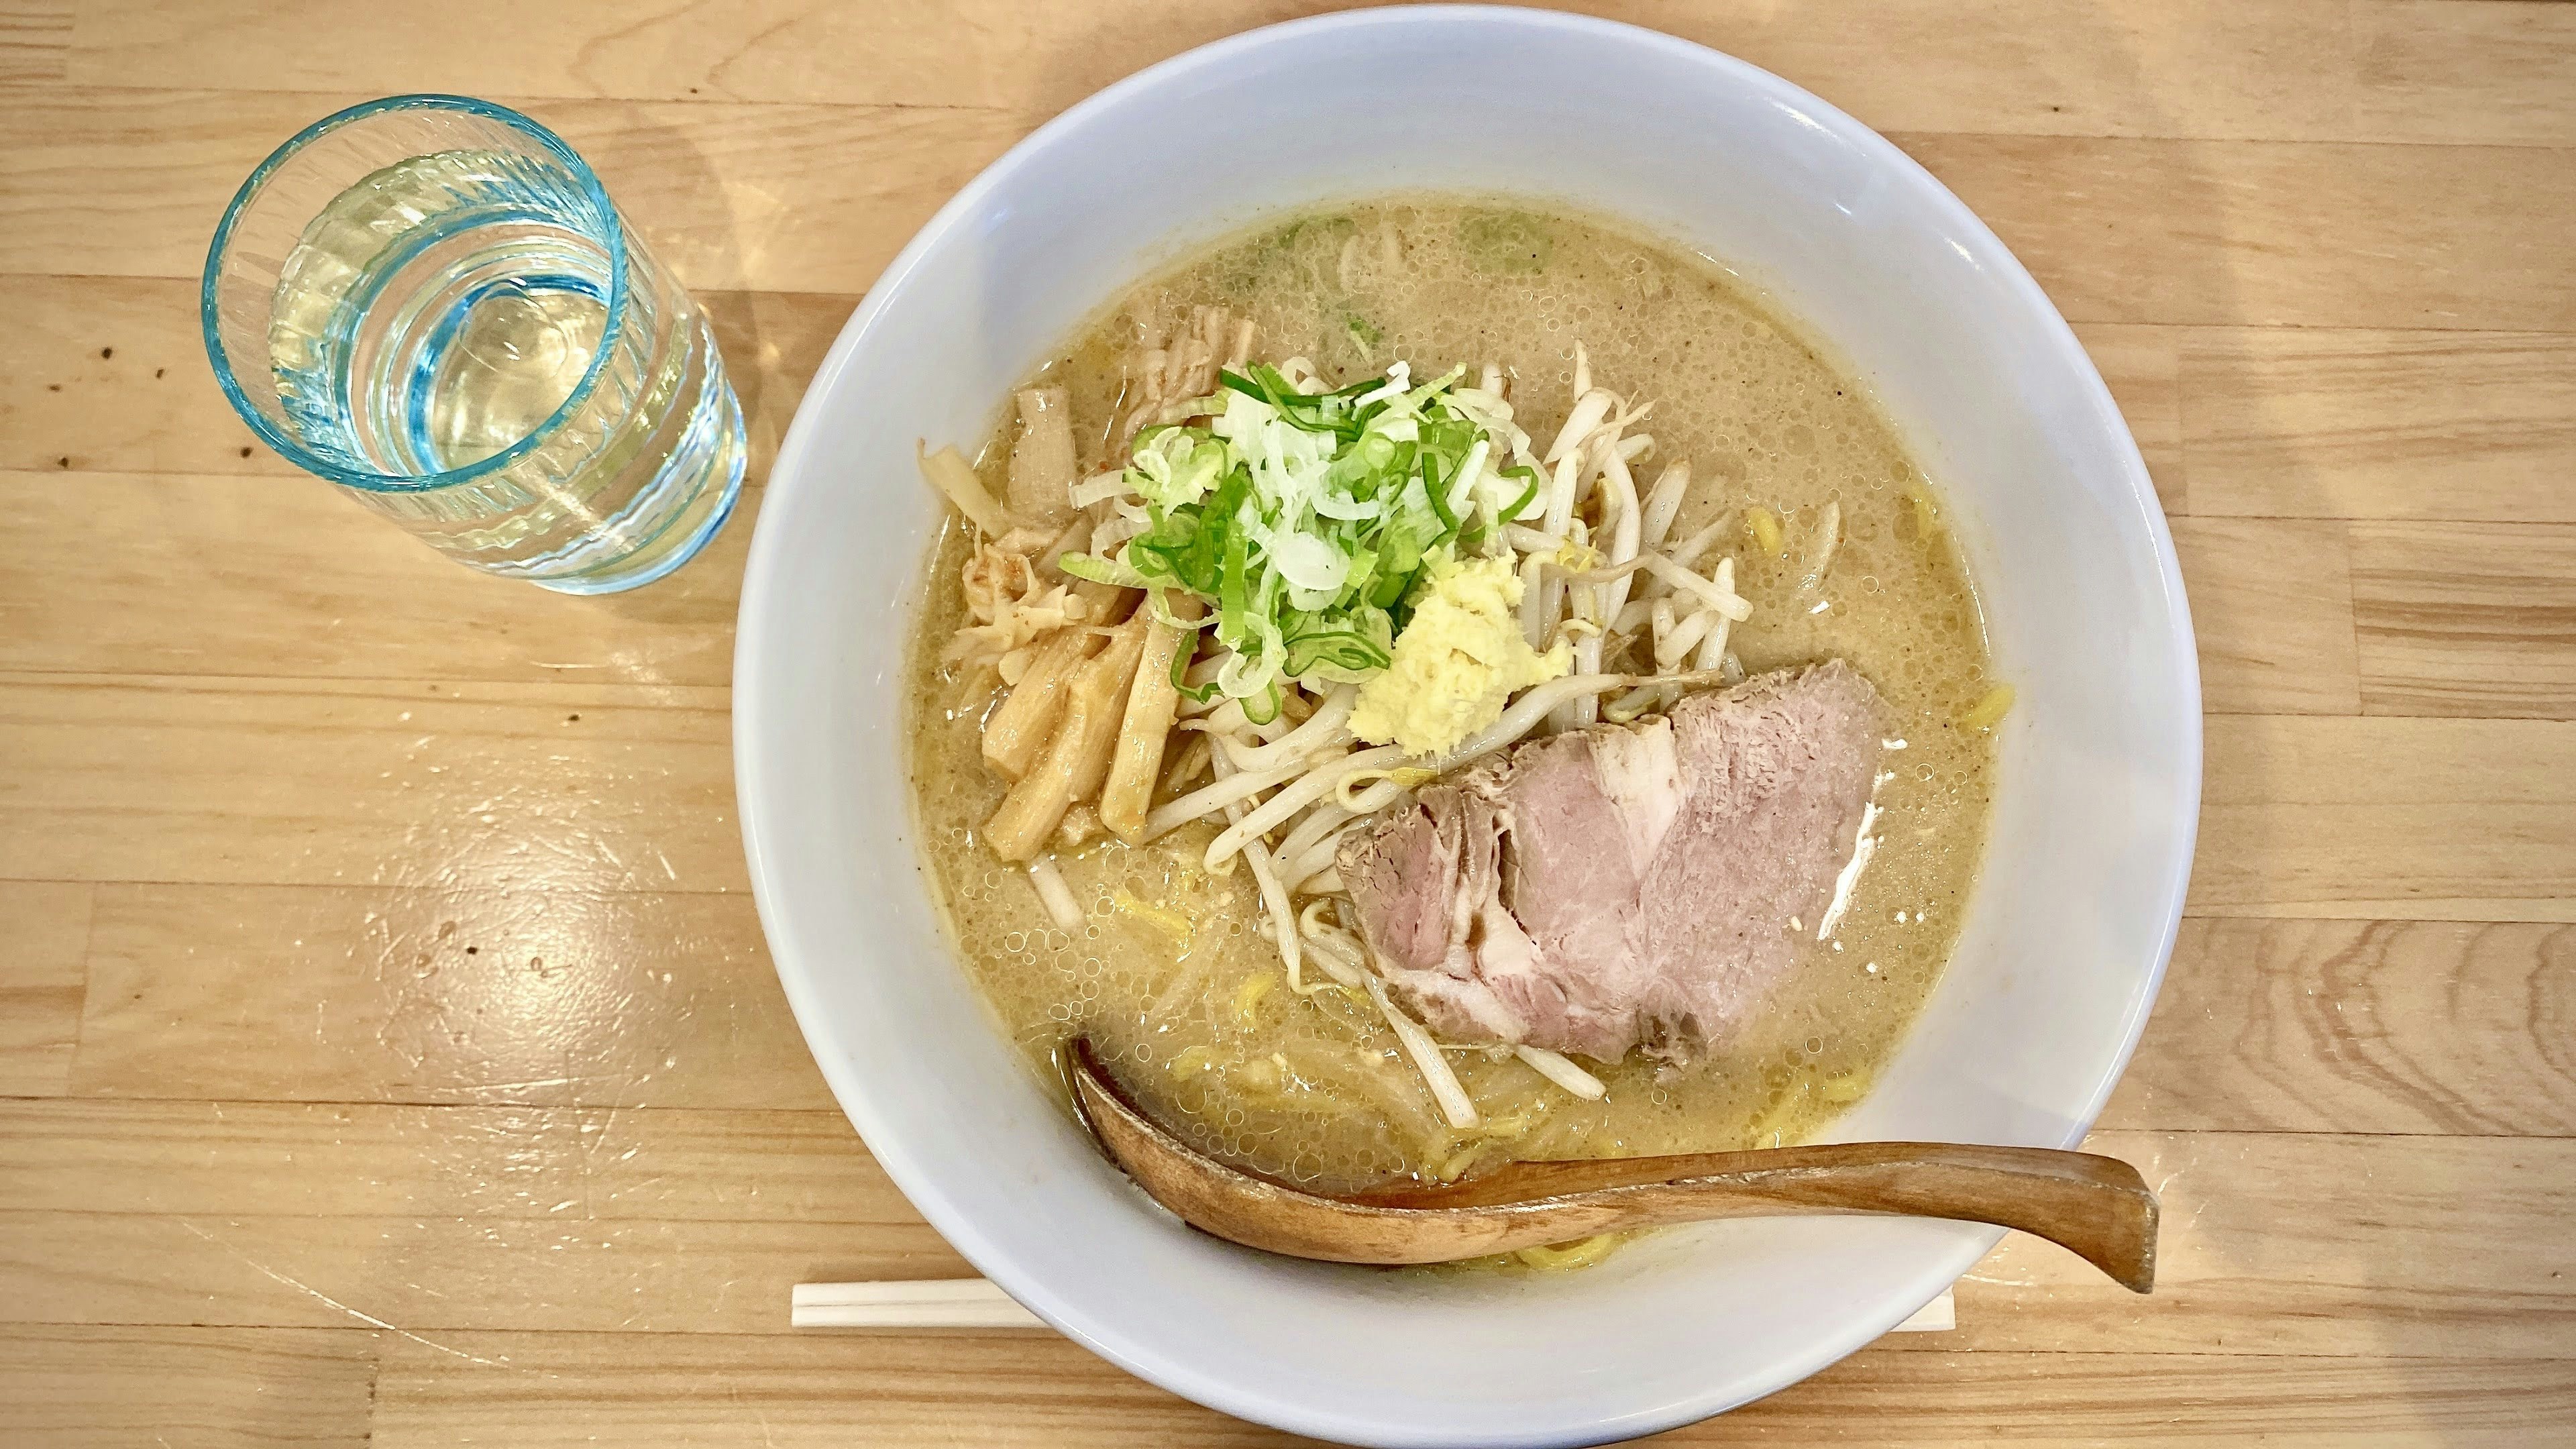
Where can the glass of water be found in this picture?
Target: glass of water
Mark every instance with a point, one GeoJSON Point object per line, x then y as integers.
{"type": "Point", "coordinates": [431, 301]}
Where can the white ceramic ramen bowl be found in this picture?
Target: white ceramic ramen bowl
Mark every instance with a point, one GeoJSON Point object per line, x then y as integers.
{"type": "Point", "coordinates": [2066, 938]}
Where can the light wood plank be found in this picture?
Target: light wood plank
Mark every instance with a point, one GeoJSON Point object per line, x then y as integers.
{"type": "Point", "coordinates": [204, 1388]}
{"type": "Point", "coordinates": [475, 996]}
{"type": "Point", "coordinates": [42, 970]}
{"type": "Point", "coordinates": [991, 1390]}
{"type": "Point", "coordinates": [110, 374]}
{"type": "Point", "coordinates": [2360, 1026]}
{"type": "Point", "coordinates": [230, 1159]}
{"type": "Point", "coordinates": [2379, 1247]}
{"type": "Point", "coordinates": [1035, 1389]}
{"type": "Point", "coordinates": [2444, 70]}
{"type": "Point", "coordinates": [428, 1275]}
{"type": "Point", "coordinates": [209, 569]}
{"type": "Point", "coordinates": [1955, 1400]}
{"type": "Point", "coordinates": [741, 197]}
{"type": "Point", "coordinates": [2467, 618]}
{"type": "Point", "coordinates": [2395, 72]}
{"type": "Point", "coordinates": [553, 787]}
{"type": "Point", "coordinates": [2141, 365]}
{"type": "Point", "coordinates": [2430, 819]}
{"type": "Point", "coordinates": [2193, 232]}
{"type": "Point", "coordinates": [2271, 601]}
{"type": "Point", "coordinates": [817, 198]}
{"type": "Point", "coordinates": [2362, 424]}
{"type": "Point", "coordinates": [35, 42]}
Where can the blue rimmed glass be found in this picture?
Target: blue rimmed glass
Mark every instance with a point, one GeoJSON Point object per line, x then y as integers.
{"type": "Point", "coordinates": [431, 301]}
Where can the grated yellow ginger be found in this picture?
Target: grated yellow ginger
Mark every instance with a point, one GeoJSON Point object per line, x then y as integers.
{"type": "Point", "coordinates": [1459, 660]}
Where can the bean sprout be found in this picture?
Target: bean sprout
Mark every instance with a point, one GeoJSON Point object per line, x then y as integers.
{"type": "Point", "coordinates": [1626, 526]}
{"type": "Point", "coordinates": [1687, 553]}
{"type": "Point", "coordinates": [1321, 730]}
{"type": "Point", "coordinates": [1229, 789]}
{"type": "Point", "coordinates": [1724, 599]}
{"type": "Point", "coordinates": [1524, 715]}
{"type": "Point", "coordinates": [1055, 895]}
{"type": "Point", "coordinates": [1674, 645]}
{"type": "Point", "coordinates": [1274, 896]}
{"type": "Point", "coordinates": [1455, 1105]}
{"type": "Point", "coordinates": [1295, 797]}
{"type": "Point", "coordinates": [1664, 503]}
{"type": "Point", "coordinates": [1331, 947]}
{"type": "Point", "coordinates": [1377, 797]}
{"type": "Point", "coordinates": [1297, 871]}
{"type": "Point", "coordinates": [1324, 819]}
{"type": "Point", "coordinates": [1564, 1073]}
{"type": "Point", "coordinates": [1530, 540]}
{"type": "Point", "coordinates": [1535, 625]}
{"type": "Point", "coordinates": [1591, 406]}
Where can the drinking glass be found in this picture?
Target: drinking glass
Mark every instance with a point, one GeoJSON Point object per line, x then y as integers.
{"type": "Point", "coordinates": [431, 301]}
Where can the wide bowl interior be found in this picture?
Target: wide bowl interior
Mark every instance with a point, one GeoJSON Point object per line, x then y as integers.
{"type": "Point", "coordinates": [2070, 928]}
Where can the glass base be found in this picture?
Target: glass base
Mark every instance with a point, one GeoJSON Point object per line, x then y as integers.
{"type": "Point", "coordinates": [725, 452]}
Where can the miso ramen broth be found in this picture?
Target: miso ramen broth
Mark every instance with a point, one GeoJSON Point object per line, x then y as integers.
{"type": "Point", "coordinates": [1169, 969]}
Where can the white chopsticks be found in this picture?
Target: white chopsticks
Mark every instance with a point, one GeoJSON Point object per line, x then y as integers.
{"type": "Point", "coordinates": [976, 1303]}
{"type": "Point", "coordinates": [934, 1303]}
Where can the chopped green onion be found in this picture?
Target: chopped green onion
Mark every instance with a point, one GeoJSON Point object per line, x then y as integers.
{"type": "Point", "coordinates": [1305, 520]}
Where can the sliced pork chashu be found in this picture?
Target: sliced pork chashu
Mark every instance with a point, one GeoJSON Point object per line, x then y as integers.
{"type": "Point", "coordinates": [1624, 885]}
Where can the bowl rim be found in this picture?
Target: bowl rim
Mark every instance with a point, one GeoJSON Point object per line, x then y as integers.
{"type": "Point", "coordinates": [763, 596]}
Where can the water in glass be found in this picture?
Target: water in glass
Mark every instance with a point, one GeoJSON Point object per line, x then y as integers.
{"type": "Point", "coordinates": [473, 341]}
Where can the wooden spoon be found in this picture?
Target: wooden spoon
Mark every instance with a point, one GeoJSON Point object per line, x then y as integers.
{"type": "Point", "coordinates": [2096, 1206]}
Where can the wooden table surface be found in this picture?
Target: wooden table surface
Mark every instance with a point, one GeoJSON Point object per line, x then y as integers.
{"type": "Point", "coordinates": [388, 1053]}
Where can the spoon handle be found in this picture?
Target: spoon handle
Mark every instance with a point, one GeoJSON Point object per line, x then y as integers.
{"type": "Point", "coordinates": [2096, 1207]}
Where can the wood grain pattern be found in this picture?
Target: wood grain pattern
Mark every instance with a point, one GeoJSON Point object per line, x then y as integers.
{"type": "Point", "coordinates": [2360, 424]}
{"type": "Point", "coordinates": [999, 1389]}
{"type": "Point", "coordinates": [381, 1081]}
{"type": "Point", "coordinates": [343, 1159]}
{"type": "Point", "coordinates": [741, 197]}
{"type": "Point", "coordinates": [818, 198]}
{"type": "Point", "coordinates": [564, 787]}
{"type": "Point", "coordinates": [2471, 248]}
{"type": "Point", "coordinates": [109, 374]}
{"type": "Point", "coordinates": [541, 998]}
{"type": "Point", "coordinates": [2411, 818]}
{"type": "Point", "coordinates": [1030, 1390]}
{"type": "Point", "coordinates": [35, 42]}
{"type": "Point", "coordinates": [430, 1275]}
{"type": "Point", "coordinates": [43, 970]}
{"type": "Point", "coordinates": [2142, 367]}
{"type": "Point", "coordinates": [207, 561]}
{"type": "Point", "coordinates": [2379, 1229]}
{"type": "Point", "coordinates": [117, 1387]}
{"type": "Point", "coordinates": [2371, 71]}
{"type": "Point", "coordinates": [2466, 618]}
{"type": "Point", "coordinates": [2361, 1026]}
{"type": "Point", "coordinates": [2272, 602]}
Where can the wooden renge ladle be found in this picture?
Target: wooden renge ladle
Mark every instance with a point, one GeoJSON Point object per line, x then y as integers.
{"type": "Point", "coordinates": [2096, 1207]}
